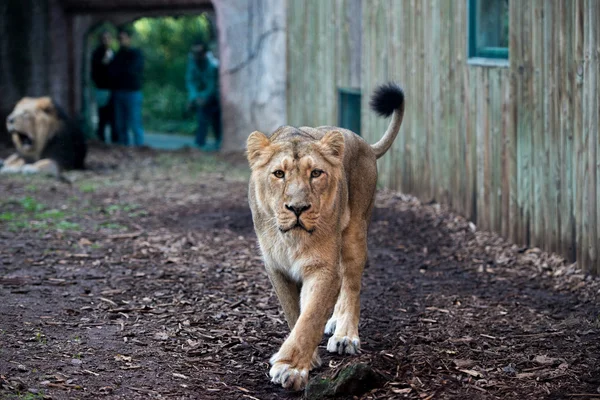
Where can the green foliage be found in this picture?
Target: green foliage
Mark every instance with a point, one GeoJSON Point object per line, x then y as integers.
{"type": "Point", "coordinates": [166, 43]}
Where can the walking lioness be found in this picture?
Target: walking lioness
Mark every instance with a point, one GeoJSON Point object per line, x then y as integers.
{"type": "Point", "coordinates": [311, 194]}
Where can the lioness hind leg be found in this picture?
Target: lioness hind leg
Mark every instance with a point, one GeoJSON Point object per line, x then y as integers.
{"type": "Point", "coordinates": [344, 322]}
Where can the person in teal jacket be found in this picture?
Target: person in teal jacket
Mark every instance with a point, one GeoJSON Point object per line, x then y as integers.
{"type": "Point", "coordinates": [202, 81]}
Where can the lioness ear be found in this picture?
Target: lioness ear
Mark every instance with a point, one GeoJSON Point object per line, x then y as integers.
{"type": "Point", "coordinates": [333, 144]}
{"type": "Point", "coordinates": [256, 144]}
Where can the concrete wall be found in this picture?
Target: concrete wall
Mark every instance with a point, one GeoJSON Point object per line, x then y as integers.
{"type": "Point", "coordinates": [252, 45]}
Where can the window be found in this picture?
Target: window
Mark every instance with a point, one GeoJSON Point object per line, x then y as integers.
{"type": "Point", "coordinates": [488, 28]}
{"type": "Point", "coordinates": [349, 109]}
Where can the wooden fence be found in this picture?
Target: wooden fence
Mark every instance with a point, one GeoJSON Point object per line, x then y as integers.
{"type": "Point", "coordinates": [513, 148]}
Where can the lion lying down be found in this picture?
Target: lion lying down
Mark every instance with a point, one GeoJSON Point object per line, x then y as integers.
{"type": "Point", "coordinates": [46, 140]}
{"type": "Point", "coordinates": [311, 193]}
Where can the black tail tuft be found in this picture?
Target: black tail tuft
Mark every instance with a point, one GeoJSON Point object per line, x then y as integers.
{"type": "Point", "coordinates": [386, 99]}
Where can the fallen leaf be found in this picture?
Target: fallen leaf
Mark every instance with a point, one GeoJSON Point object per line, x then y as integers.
{"type": "Point", "coordinates": [544, 360]}
{"type": "Point", "coordinates": [472, 372]}
{"type": "Point", "coordinates": [463, 363]}
{"type": "Point", "coordinates": [161, 336]}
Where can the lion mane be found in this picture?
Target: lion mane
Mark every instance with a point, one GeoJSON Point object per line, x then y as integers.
{"type": "Point", "coordinates": [45, 138]}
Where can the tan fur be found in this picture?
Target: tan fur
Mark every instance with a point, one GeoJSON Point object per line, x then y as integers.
{"type": "Point", "coordinates": [315, 268]}
{"type": "Point", "coordinates": [37, 119]}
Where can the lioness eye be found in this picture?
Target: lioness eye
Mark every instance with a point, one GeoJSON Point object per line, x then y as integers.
{"type": "Point", "coordinates": [279, 174]}
{"type": "Point", "coordinates": [316, 173]}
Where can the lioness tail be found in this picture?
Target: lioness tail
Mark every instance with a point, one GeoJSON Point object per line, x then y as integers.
{"type": "Point", "coordinates": [388, 99]}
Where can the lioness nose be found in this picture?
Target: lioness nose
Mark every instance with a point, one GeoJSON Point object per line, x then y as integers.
{"type": "Point", "coordinates": [11, 120]}
{"type": "Point", "coordinates": [297, 209]}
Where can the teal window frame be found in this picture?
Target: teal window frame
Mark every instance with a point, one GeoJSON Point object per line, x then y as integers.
{"type": "Point", "coordinates": [475, 51]}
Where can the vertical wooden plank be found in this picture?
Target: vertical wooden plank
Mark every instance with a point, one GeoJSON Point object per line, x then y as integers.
{"type": "Point", "coordinates": [431, 28]}
{"type": "Point", "coordinates": [442, 131]}
{"type": "Point", "coordinates": [515, 16]}
{"type": "Point", "coordinates": [554, 132]}
{"type": "Point", "coordinates": [404, 61]}
{"type": "Point", "coordinates": [482, 136]}
{"type": "Point", "coordinates": [594, 48]}
{"type": "Point", "coordinates": [537, 126]}
{"type": "Point", "coordinates": [566, 69]}
{"type": "Point", "coordinates": [459, 64]}
{"type": "Point", "coordinates": [578, 129]}
{"type": "Point", "coordinates": [524, 127]}
{"type": "Point", "coordinates": [420, 177]}
{"type": "Point", "coordinates": [417, 133]}
{"type": "Point", "coordinates": [496, 128]}
{"type": "Point", "coordinates": [549, 88]}
{"type": "Point", "coordinates": [396, 66]}
{"type": "Point", "coordinates": [586, 216]}
{"type": "Point", "coordinates": [505, 145]}
{"type": "Point", "coordinates": [589, 142]}
{"type": "Point", "coordinates": [471, 186]}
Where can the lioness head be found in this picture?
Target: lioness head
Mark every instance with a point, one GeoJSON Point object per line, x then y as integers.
{"type": "Point", "coordinates": [33, 122]}
{"type": "Point", "coordinates": [296, 178]}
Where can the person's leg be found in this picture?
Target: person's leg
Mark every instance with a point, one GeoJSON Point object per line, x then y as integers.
{"type": "Point", "coordinates": [110, 111]}
{"type": "Point", "coordinates": [216, 124]}
{"type": "Point", "coordinates": [136, 118]}
{"type": "Point", "coordinates": [202, 127]}
{"type": "Point", "coordinates": [102, 121]}
{"type": "Point", "coordinates": [120, 104]}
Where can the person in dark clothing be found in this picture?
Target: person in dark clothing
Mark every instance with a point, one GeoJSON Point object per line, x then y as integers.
{"type": "Point", "coordinates": [101, 59]}
{"type": "Point", "coordinates": [202, 82]}
{"type": "Point", "coordinates": [126, 75]}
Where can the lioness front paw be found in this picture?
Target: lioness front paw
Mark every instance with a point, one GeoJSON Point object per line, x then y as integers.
{"type": "Point", "coordinates": [289, 377]}
{"type": "Point", "coordinates": [343, 345]}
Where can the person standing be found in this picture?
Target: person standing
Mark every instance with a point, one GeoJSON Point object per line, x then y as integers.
{"type": "Point", "coordinates": [126, 74]}
{"type": "Point", "coordinates": [101, 60]}
{"type": "Point", "coordinates": [202, 81]}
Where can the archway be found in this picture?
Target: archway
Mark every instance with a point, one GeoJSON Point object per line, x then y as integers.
{"type": "Point", "coordinates": [165, 42]}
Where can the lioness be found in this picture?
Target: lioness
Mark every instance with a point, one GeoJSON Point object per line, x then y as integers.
{"type": "Point", "coordinates": [46, 140]}
{"type": "Point", "coordinates": [311, 193]}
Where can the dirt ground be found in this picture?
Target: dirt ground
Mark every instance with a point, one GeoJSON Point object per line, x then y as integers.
{"type": "Point", "coordinates": [141, 279]}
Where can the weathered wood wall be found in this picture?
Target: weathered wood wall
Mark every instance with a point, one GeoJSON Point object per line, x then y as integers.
{"type": "Point", "coordinates": [514, 148]}
{"type": "Point", "coordinates": [323, 53]}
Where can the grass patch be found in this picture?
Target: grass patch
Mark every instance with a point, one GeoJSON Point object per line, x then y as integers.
{"type": "Point", "coordinates": [88, 187]}
{"type": "Point", "coordinates": [113, 226]}
{"type": "Point", "coordinates": [30, 204]}
{"type": "Point", "coordinates": [50, 214]}
{"type": "Point", "coordinates": [34, 215]}
{"type": "Point", "coordinates": [67, 226]}
{"type": "Point", "coordinates": [28, 396]}
{"type": "Point", "coordinates": [8, 216]}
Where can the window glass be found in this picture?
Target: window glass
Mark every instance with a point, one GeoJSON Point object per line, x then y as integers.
{"type": "Point", "coordinates": [349, 109]}
{"type": "Point", "coordinates": [488, 28]}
